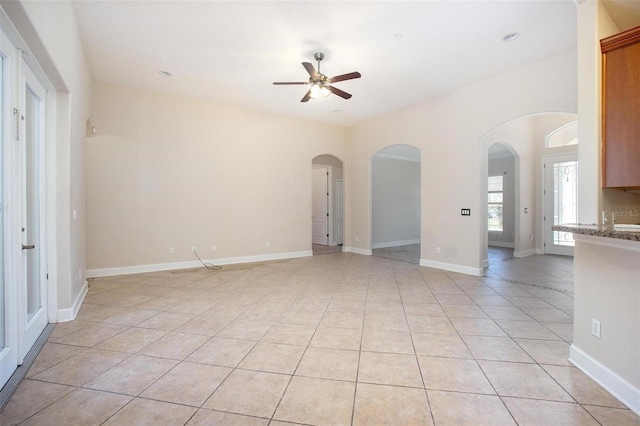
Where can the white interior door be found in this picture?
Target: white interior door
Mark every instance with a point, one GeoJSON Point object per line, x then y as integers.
{"type": "Point", "coordinates": [560, 201]}
{"type": "Point", "coordinates": [320, 206]}
{"type": "Point", "coordinates": [33, 287]}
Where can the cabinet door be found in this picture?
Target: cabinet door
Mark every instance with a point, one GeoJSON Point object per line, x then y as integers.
{"type": "Point", "coordinates": [621, 110]}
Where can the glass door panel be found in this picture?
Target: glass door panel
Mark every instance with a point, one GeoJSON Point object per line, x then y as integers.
{"type": "Point", "coordinates": [34, 315]}
{"type": "Point", "coordinates": [2, 286]}
{"type": "Point", "coordinates": [561, 202]}
{"type": "Point", "coordinates": [31, 231]}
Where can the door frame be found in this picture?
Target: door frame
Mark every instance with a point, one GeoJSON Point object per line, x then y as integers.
{"type": "Point", "coordinates": [339, 211]}
{"type": "Point", "coordinates": [546, 243]}
{"type": "Point", "coordinates": [27, 336]}
{"type": "Point", "coordinates": [9, 353]}
{"type": "Point", "coordinates": [20, 56]}
{"type": "Point", "coordinates": [332, 240]}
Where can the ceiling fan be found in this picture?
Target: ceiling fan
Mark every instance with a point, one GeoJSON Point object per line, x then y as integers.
{"type": "Point", "coordinates": [320, 83]}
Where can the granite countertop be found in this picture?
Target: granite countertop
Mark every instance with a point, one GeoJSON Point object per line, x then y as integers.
{"type": "Point", "coordinates": [619, 231]}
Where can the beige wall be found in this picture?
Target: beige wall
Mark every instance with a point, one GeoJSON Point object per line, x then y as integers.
{"type": "Point", "coordinates": [166, 171]}
{"type": "Point", "coordinates": [448, 130]}
{"type": "Point", "coordinates": [607, 288]}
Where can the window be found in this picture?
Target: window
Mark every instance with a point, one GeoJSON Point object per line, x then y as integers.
{"type": "Point", "coordinates": [564, 136]}
{"type": "Point", "coordinates": [495, 203]}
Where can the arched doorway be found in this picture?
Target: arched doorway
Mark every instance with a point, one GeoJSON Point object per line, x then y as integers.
{"type": "Point", "coordinates": [396, 203]}
{"type": "Point", "coordinates": [526, 138]}
{"type": "Point", "coordinates": [327, 204]}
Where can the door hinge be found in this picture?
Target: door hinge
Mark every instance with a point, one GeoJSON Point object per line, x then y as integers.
{"type": "Point", "coordinates": [544, 218]}
{"type": "Point", "coordinates": [327, 235]}
{"type": "Point", "coordinates": [327, 214]}
{"type": "Point", "coordinates": [16, 113]}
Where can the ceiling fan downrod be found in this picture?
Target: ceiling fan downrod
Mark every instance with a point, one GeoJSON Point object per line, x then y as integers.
{"type": "Point", "coordinates": [318, 56]}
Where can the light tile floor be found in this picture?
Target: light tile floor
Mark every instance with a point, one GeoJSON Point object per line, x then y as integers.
{"type": "Point", "coordinates": [333, 339]}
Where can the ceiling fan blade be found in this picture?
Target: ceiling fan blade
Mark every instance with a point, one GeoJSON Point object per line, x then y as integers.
{"type": "Point", "coordinates": [306, 97]}
{"type": "Point", "coordinates": [282, 83]}
{"type": "Point", "coordinates": [343, 77]}
{"type": "Point", "coordinates": [338, 92]}
{"type": "Point", "coordinates": [310, 69]}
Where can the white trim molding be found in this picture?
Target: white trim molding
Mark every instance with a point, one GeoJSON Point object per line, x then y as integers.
{"type": "Point", "coordinates": [139, 269]}
{"type": "Point", "coordinates": [395, 243]}
{"type": "Point", "coordinates": [501, 244]}
{"type": "Point", "coordinates": [524, 253]}
{"type": "Point", "coordinates": [452, 267]}
{"type": "Point", "coordinates": [357, 250]}
{"type": "Point", "coordinates": [70, 314]}
{"type": "Point", "coordinates": [617, 386]}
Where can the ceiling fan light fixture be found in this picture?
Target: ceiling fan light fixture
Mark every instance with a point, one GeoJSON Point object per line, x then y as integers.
{"type": "Point", "coordinates": [318, 91]}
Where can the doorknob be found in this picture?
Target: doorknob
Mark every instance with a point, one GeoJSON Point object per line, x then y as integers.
{"type": "Point", "coordinates": [28, 247]}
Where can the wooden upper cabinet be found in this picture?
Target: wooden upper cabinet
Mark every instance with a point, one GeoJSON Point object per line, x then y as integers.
{"type": "Point", "coordinates": [621, 110]}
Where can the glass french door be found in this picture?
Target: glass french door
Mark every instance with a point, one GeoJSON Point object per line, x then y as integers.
{"type": "Point", "coordinates": [8, 318]}
{"type": "Point", "coordinates": [23, 284]}
{"type": "Point", "coordinates": [32, 192]}
{"type": "Point", "coordinates": [561, 201]}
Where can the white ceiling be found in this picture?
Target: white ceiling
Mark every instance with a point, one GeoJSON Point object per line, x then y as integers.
{"type": "Point", "coordinates": [231, 52]}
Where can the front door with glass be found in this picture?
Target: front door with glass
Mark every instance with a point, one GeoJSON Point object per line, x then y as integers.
{"type": "Point", "coordinates": [560, 201]}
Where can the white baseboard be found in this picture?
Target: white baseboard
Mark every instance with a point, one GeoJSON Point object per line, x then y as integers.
{"type": "Point", "coordinates": [524, 253]}
{"type": "Point", "coordinates": [501, 244]}
{"type": "Point", "coordinates": [138, 269]}
{"type": "Point", "coordinates": [357, 250]}
{"type": "Point", "coordinates": [617, 386]}
{"type": "Point", "coordinates": [539, 251]}
{"type": "Point", "coordinates": [485, 263]}
{"type": "Point", "coordinates": [478, 272]}
{"type": "Point", "coordinates": [70, 314]}
{"type": "Point", "coordinates": [394, 244]}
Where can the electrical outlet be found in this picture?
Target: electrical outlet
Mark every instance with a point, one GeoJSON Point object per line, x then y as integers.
{"type": "Point", "coordinates": [268, 244]}
{"type": "Point", "coordinates": [213, 247]}
{"type": "Point", "coordinates": [357, 239]}
{"type": "Point", "coordinates": [171, 250]}
{"type": "Point", "coordinates": [595, 327]}
{"type": "Point", "coordinates": [437, 249]}
{"type": "Point", "coordinates": [193, 249]}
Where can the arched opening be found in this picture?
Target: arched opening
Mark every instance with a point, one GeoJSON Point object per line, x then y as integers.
{"type": "Point", "coordinates": [396, 203]}
{"type": "Point", "coordinates": [527, 140]}
{"type": "Point", "coordinates": [327, 204]}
